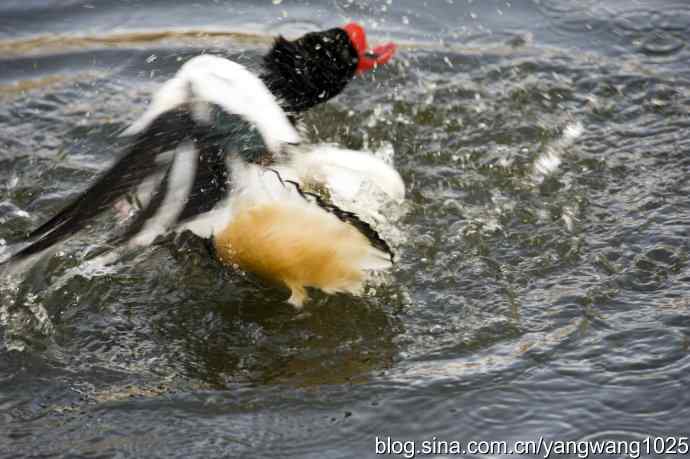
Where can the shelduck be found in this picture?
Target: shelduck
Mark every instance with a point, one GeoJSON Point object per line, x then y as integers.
{"type": "Point", "coordinates": [217, 152]}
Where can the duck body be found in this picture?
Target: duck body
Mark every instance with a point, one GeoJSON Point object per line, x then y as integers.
{"type": "Point", "coordinates": [218, 154]}
{"type": "Point", "coordinates": [277, 233]}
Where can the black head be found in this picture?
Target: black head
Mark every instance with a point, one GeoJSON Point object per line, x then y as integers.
{"type": "Point", "coordinates": [311, 69]}
{"type": "Point", "coordinates": [318, 66]}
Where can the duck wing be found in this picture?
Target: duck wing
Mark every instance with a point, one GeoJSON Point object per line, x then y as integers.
{"type": "Point", "coordinates": [212, 108]}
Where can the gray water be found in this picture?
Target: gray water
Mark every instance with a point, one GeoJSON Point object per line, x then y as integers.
{"type": "Point", "coordinates": [543, 284]}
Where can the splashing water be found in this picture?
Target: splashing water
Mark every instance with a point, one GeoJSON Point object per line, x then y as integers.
{"type": "Point", "coordinates": [547, 163]}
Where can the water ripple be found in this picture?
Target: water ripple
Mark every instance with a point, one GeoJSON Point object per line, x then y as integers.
{"type": "Point", "coordinates": [529, 299]}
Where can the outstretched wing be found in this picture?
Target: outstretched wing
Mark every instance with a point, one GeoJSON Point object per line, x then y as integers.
{"type": "Point", "coordinates": [211, 108]}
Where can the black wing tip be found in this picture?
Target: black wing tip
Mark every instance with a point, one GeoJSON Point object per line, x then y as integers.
{"type": "Point", "coordinates": [163, 134]}
{"type": "Point", "coordinates": [20, 255]}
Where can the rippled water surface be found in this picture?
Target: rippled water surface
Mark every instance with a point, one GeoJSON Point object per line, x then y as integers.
{"type": "Point", "coordinates": [542, 290]}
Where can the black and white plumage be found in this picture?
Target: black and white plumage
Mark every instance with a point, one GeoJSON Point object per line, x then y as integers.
{"type": "Point", "coordinates": [219, 156]}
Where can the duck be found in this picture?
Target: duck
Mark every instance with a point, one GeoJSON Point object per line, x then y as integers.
{"type": "Point", "coordinates": [219, 152]}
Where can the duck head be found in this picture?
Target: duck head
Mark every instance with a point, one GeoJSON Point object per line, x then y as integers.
{"type": "Point", "coordinates": [304, 72]}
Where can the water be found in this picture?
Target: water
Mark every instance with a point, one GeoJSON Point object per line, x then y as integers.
{"type": "Point", "coordinates": [542, 290]}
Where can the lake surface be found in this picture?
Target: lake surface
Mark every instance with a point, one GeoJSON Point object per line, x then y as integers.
{"type": "Point", "coordinates": [543, 287]}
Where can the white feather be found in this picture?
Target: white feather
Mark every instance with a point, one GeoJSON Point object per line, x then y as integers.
{"type": "Point", "coordinates": [344, 171]}
{"type": "Point", "coordinates": [172, 93]}
{"type": "Point", "coordinates": [254, 184]}
{"type": "Point", "coordinates": [180, 182]}
{"type": "Point", "coordinates": [209, 223]}
{"type": "Point", "coordinates": [215, 220]}
{"type": "Point", "coordinates": [216, 80]}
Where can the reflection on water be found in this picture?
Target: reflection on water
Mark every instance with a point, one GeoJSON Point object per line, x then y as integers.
{"type": "Point", "coordinates": [541, 290]}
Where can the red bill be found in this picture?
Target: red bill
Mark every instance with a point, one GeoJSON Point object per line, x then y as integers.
{"type": "Point", "coordinates": [368, 59]}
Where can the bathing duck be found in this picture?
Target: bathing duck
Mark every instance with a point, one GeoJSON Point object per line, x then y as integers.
{"type": "Point", "coordinates": [217, 152]}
